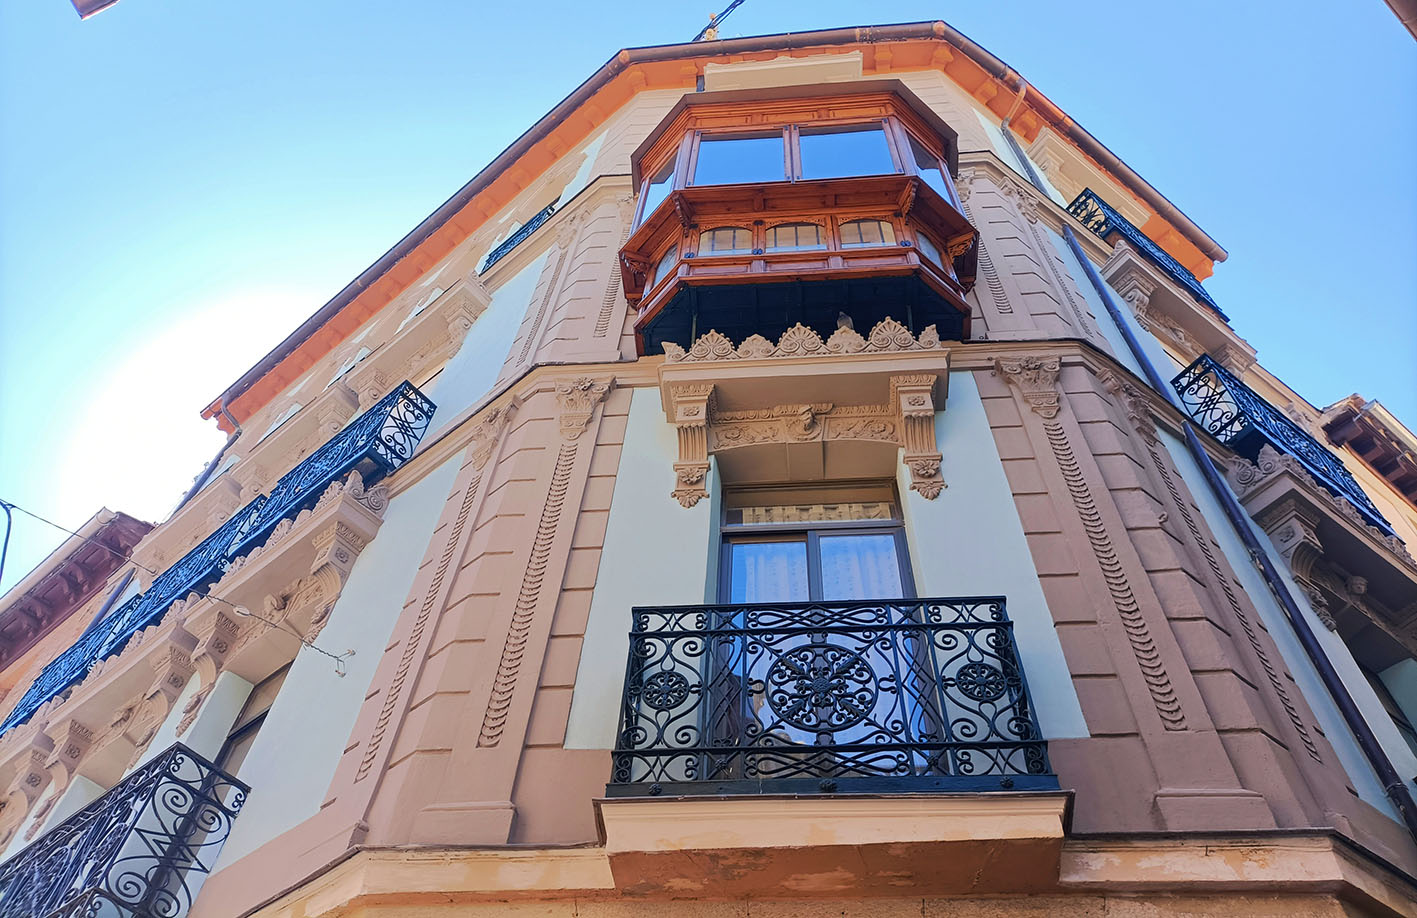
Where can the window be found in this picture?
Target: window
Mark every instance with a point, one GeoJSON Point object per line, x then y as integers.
{"type": "Point", "coordinates": [805, 544]}
{"type": "Point", "coordinates": [248, 723]}
{"type": "Point", "coordinates": [835, 152]}
{"type": "Point", "coordinates": [858, 233]}
{"type": "Point", "coordinates": [657, 188]}
{"type": "Point", "coordinates": [663, 266]}
{"type": "Point", "coordinates": [726, 240]}
{"type": "Point", "coordinates": [928, 248]}
{"type": "Point", "coordinates": [790, 237]}
{"type": "Point", "coordinates": [739, 159]}
{"type": "Point", "coordinates": [930, 168]}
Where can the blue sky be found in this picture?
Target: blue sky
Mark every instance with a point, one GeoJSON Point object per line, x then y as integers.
{"type": "Point", "coordinates": [182, 183]}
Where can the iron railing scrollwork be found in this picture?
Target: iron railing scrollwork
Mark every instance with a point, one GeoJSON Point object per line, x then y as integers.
{"type": "Point", "coordinates": [1231, 412]}
{"type": "Point", "coordinates": [141, 850]}
{"type": "Point", "coordinates": [1102, 219]}
{"type": "Point", "coordinates": [518, 237]}
{"type": "Point", "coordinates": [923, 694]}
{"type": "Point", "coordinates": [377, 442]}
{"type": "Point", "coordinates": [382, 439]}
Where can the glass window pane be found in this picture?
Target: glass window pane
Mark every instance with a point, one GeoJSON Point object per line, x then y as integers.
{"type": "Point", "coordinates": [726, 240]}
{"type": "Point", "coordinates": [736, 160]}
{"type": "Point", "coordinates": [768, 572]}
{"type": "Point", "coordinates": [928, 248]}
{"type": "Point", "coordinates": [860, 567]}
{"type": "Point", "coordinates": [930, 169]}
{"type": "Point", "coordinates": [658, 188]}
{"type": "Point", "coordinates": [663, 266]}
{"type": "Point", "coordinates": [867, 232]}
{"type": "Point", "coordinates": [859, 149]}
{"type": "Point", "coordinates": [795, 236]}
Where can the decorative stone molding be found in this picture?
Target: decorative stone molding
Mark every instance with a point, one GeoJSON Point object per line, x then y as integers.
{"type": "Point", "coordinates": [1248, 478]}
{"type": "Point", "coordinates": [71, 742]}
{"type": "Point", "coordinates": [1135, 404]}
{"type": "Point", "coordinates": [690, 419]}
{"type": "Point", "coordinates": [578, 398]}
{"type": "Point", "coordinates": [193, 707]}
{"type": "Point", "coordinates": [800, 341]}
{"type": "Point", "coordinates": [1036, 378]}
{"type": "Point", "coordinates": [913, 397]}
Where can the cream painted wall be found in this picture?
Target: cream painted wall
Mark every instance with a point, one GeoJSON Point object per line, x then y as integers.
{"type": "Point", "coordinates": [294, 757]}
{"type": "Point", "coordinates": [969, 542]}
{"type": "Point", "coordinates": [471, 372]}
{"type": "Point", "coordinates": [655, 552]}
{"type": "Point", "coordinates": [79, 794]}
{"type": "Point", "coordinates": [1295, 659]}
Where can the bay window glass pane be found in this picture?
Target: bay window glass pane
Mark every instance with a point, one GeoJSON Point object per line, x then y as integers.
{"type": "Point", "coordinates": [658, 188]}
{"type": "Point", "coordinates": [663, 266]}
{"type": "Point", "coordinates": [859, 567]}
{"type": "Point", "coordinates": [928, 248]}
{"type": "Point", "coordinates": [739, 159]}
{"type": "Point", "coordinates": [930, 169]}
{"type": "Point", "coordinates": [768, 572]}
{"type": "Point", "coordinates": [867, 232]}
{"type": "Point", "coordinates": [726, 240]}
{"type": "Point", "coordinates": [795, 236]}
{"type": "Point", "coordinates": [840, 151]}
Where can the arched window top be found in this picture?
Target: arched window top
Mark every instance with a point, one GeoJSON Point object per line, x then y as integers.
{"type": "Point", "coordinates": [789, 237]}
{"type": "Point", "coordinates": [867, 231]}
{"type": "Point", "coordinates": [726, 240]}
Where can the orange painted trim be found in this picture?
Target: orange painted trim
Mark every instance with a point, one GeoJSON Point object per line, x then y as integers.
{"type": "Point", "coordinates": [1032, 114]}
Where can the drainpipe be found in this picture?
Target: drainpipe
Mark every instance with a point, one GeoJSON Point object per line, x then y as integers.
{"type": "Point", "coordinates": [202, 479]}
{"type": "Point", "coordinates": [112, 598]}
{"type": "Point", "coordinates": [1393, 784]}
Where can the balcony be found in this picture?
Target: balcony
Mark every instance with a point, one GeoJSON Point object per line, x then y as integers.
{"type": "Point", "coordinates": [518, 237]}
{"type": "Point", "coordinates": [909, 695]}
{"type": "Point", "coordinates": [759, 214]}
{"type": "Point", "coordinates": [836, 748]}
{"type": "Point", "coordinates": [374, 444]}
{"type": "Point", "coordinates": [1231, 412]}
{"type": "Point", "coordinates": [141, 850]}
{"type": "Point", "coordinates": [1103, 220]}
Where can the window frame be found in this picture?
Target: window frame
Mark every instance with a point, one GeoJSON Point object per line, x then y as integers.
{"type": "Point", "coordinates": [811, 533]}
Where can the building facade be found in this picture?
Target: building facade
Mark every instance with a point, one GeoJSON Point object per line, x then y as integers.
{"type": "Point", "coordinates": [802, 475]}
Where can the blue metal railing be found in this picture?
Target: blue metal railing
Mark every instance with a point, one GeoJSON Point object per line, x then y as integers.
{"type": "Point", "coordinates": [1099, 217]}
{"type": "Point", "coordinates": [377, 442]}
{"type": "Point", "coordinates": [1231, 412]}
{"type": "Point", "coordinates": [518, 237]}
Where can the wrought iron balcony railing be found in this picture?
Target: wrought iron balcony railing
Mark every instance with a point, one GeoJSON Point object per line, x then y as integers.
{"type": "Point", "coordinates": [518, 237]}
{"type": "Point", "coordinates": [1231, 412]}
{"type": "Point", "coordinates": [1098, 216]}
{"type": "Point", "coordinates": [381, 439]}
{"type": "Point", "coordinates": [377, 442]}
{"type": "Point", "coordinates": [920, 694]}
{"type": "Point", "coordinates": [141, 850]}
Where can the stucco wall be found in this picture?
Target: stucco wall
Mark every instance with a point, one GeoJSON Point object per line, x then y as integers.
{"type": "Point", "coordinates": [969, 542]}
{"type": "Point", "coordinates": [294, 757]}
{"type": "Point", "coordinates": [655, 552]}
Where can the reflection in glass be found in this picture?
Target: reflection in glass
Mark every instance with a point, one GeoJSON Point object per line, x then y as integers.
{"type": "Point", "coordinates": [866, 232]}
{"type": "Point", "coordinates": [768, 572]}
{"type": "Point", "coordinates": [740, 159]}
{"type": "Point", "coordinates": [795, 236]}
{"type": "Point", "coordinates": [859, 566]}
{"type": "Point", "coordinates": [928, 248]}
{"type": "Point", "coordinates": [726, 240]}
{"type": "Point", "coordinates": [860, 149]}
{"type": "Point", "coordinates": [930, 169]}
{"type": "Point", "coordinates": [663, 266]}
{"type": "Point", "coordinates": [658, 188]}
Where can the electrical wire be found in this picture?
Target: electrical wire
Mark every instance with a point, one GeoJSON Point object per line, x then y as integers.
{"type": "Point", "coordinates": [5, 548]}
{"type": "Point", "coordinates": [715, 20]}
{"type": "Point", "coordinates": [204, 593]}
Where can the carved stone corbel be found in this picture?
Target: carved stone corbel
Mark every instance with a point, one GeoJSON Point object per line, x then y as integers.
{"type": "Point", "coordinates": [914, 397]}
{"type": "Point", "coordinates": [72, 741]}
{"type": "Point", "coordinates": [690, 405]}
{"type": "Point", "coordinates": [1036, 379]}
{"type": "Point", "coordinates": [578, 398]}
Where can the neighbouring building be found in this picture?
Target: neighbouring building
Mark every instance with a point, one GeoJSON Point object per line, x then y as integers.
{"type": "Point", "coordinates": [802, 475]}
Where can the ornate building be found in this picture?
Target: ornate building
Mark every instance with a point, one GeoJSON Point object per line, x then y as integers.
{"type": "Point", "coordinates": [802, 475]}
